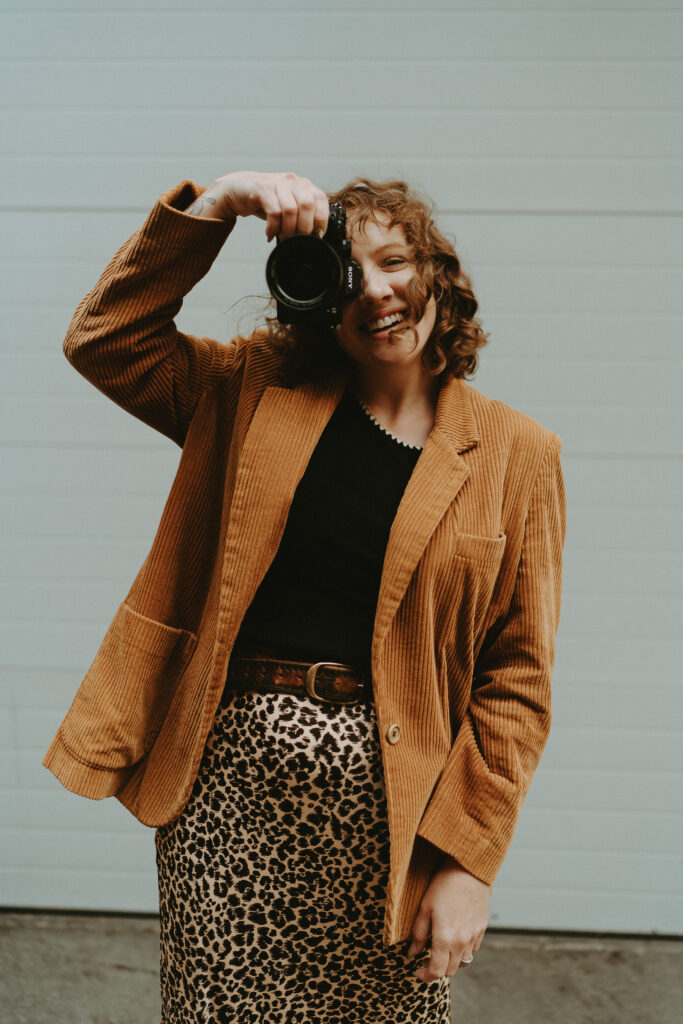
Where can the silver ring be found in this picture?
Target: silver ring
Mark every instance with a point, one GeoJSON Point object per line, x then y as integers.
{"type": "Point", "coordinates": [463, 961]}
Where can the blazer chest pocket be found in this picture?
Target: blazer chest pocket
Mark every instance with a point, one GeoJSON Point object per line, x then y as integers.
{"type": "Point", "coordinates": [471, 571]}
{"type": "Point", "coordinates": [487, 550]}
{"type": "Point", "coordinates": [127, 691]}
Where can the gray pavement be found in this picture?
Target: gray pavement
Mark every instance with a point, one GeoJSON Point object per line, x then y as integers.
{"type": "Point", "coordinates": [86, 969]}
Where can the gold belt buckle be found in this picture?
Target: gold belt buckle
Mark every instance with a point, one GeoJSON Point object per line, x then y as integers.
{"type": "Point", "coordinates": [309, 683]}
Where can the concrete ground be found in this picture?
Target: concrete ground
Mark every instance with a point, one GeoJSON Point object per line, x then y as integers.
{"type": "Point", "coordinates": [87, 969]}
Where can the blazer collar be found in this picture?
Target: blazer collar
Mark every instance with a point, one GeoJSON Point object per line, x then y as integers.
{"type": "Point", "coordinates": [455, 417]}
{"type": "Point", "coordinates": [439, 474]}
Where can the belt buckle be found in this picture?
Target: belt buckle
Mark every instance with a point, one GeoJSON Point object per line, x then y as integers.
{"type": "Point", "coordinates": [309, 682]}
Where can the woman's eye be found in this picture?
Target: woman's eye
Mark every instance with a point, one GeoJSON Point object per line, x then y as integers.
{"type": "Point", "coordinates": [394, 261]}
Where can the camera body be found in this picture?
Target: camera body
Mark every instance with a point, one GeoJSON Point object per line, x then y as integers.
{"type": "Point", "coordinates": [310, 277]}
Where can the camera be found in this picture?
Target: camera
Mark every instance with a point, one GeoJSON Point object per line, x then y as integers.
{"type": "Point", "coordinates": [311, 277]}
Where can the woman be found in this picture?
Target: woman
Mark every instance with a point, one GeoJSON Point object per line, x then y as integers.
{"type": "Point", "coordinates": [328, 686]}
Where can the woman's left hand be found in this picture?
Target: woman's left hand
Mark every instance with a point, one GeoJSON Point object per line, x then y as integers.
{"type": "Point", "coordinates": [454, 911]}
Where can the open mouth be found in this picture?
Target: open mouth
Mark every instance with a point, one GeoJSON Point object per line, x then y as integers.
{"type": "Point", "coordinates": [383, 324]}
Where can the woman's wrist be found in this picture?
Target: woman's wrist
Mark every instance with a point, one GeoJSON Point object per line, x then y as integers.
{"type": "Point", "coordinates": [211, 205]}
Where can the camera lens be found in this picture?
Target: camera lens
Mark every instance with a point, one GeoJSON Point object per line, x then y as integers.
{"type": "Point", "coordinates": [304, 272]}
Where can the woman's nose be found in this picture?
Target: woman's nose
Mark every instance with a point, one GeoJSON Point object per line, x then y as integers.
{"type": "Point", "coordinates": [374, 285]}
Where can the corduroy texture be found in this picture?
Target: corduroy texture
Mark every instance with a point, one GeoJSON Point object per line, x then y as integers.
{"type": "Point", "coordinates": [469, 603]}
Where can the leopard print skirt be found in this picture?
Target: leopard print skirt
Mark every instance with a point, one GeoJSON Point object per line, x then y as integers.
{"type": "Point", "coordinates": [272, 882]}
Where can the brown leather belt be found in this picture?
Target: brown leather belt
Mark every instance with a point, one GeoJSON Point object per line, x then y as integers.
{"type": "Point", "coordinates": [326, 682]}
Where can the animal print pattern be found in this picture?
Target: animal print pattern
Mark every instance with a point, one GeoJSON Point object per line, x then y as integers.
{"type": "Point", "coordinates": [272, 882]}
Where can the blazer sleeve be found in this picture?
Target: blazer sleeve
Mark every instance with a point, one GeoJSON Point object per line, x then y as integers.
{"type": "Point", "coordinates": [474, 808]}
{"type": "Point", "coordinates": [123, 338]}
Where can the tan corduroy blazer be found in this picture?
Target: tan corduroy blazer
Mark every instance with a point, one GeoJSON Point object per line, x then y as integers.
{"type": "Point", "coordinates": [469, 604]}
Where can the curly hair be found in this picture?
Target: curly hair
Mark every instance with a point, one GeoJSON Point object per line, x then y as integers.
{"type": "Point", "coordinates": [310, 353]}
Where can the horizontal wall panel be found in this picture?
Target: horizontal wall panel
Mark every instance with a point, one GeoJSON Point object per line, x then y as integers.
{"type": "Point", "coordinates": [599, 572]}
{"type": "Point", "coordinates": [77, 559]}
{"type": "Point", "coordinates": [659, 914]}
{"type": "Point", "coordinates": [460, 82]}
{"type": "Point", "coordinates": [40, 848]}
{"type": "Point", "coordinates": [521, 336]}
{"type": "Point", "coordinates": [596, 834]}
{"type": "Point", "coordinates": [568, 746]}
{"type": "Point", "coordinates": [70, 646]}
{"type": "Point", "coordinates": [547, 135]}
{"type": "Point", "coordinates": [137, 893]}
{"type": "Point", "coordinates": [600, 748]}
{"type": "Point", "coordinates": [533, 289]}
{"type": "Point", "coordinates": [128, 518]}
{"type": "Point", "coordinates": [581, 789]}
{"type": "Point", "coordinates": [540, 185]}
{"type": "Point", "coordinates": [89, 471]}
{"type": "Point", "coordinates": [576, 790]}
{"type": "Point", "coordinates": [82, 471]}
{"type": "Point", "coordinates": [621, 660]}
{"type": "Point", "coordinates": [88, 420]}
{"type": "Point", "coordinates": [597, 702]}
{"type": "Point", "coordinates": [57, 601]}
{"type": "Point", "coordinates": [53, 806]}
{"type": "Point", "coordinates": [239, 35]}
{"type": "Point", "coordinates": [613, 429]}
{"type": "Point", "coordinates": [133, 518]}
{"type": "Point", "coordinates": [67, 888]}
{"type": "Point", "coordinates": [600, 832]}
{"type": "Point", "coordinates": [594, 872]}
{"type": "Point", "coordinates": [622, 615]}
{"type": "Point", "coordinates": [85, 602]}
{"type": "Point", "coordinates": [601, 382]}
{"type": "Point", "coordinates": [50, 689]}
{"type": "Point", "coordinates": [545, 241]}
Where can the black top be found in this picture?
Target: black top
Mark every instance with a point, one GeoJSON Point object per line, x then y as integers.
{"type": "Point", "coordinates": [317, 601]}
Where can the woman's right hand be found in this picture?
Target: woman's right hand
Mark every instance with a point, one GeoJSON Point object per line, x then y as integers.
{"type": "Point", "coordinates": [289, 204]}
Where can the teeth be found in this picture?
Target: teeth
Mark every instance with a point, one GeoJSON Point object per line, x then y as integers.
{"type": "Point", "coordinates": [387, 321]}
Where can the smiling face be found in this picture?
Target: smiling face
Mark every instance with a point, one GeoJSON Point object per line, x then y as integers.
{"type": "Point", "coordinates": [375, 331]}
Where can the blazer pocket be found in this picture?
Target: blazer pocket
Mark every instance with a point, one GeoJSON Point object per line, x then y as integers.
{"type": "Point", "coordinates": [474, 565]}
{"type": "Point", "coordinates": [481, 549]}
{"type": "Point", "coordinates": [127, 691]}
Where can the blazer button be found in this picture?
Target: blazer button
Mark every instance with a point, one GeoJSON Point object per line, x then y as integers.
{"type": "Point", "coordinates": [394, 733]}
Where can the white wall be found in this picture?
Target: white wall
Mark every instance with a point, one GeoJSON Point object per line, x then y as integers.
{"type": "Point", "coordinates": [550, 136]}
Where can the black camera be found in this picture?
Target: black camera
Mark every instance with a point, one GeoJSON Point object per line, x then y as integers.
{"type": "Point", "coordinates": [311, 277]}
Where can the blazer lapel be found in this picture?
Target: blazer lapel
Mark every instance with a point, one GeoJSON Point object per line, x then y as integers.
{"type": "Point", "coordinates": [284, 431]}
{"type": "Point", "coordinates": [439, 474]}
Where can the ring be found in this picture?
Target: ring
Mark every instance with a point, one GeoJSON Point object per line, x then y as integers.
{"type": "Point", "coordinates": [320, 233]}
{"type": "Point", "coordinates": [463, 961]}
